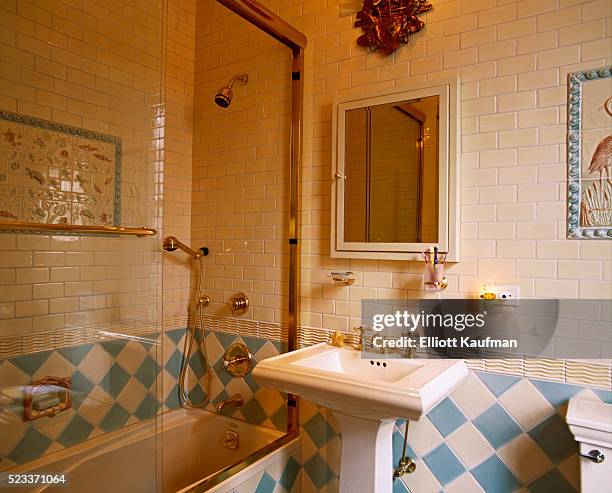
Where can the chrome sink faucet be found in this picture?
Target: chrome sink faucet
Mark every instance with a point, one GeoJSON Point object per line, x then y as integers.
{"type": "Point", "coordinates": [235, 401]}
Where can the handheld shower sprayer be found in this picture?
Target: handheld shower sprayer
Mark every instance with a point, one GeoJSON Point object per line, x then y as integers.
{"type": "Point", "coordinates": [195, 324]}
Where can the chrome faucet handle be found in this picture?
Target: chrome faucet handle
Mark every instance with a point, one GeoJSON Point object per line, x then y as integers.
{"type": "Point", "coordinates": [239, 303]}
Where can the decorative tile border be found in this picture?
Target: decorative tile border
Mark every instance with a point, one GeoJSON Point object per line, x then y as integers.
{"type": "Point", "coordinates": [34, 342]}
{"type": "Point", "coordinates": [43, 341]}
{"type": "Point", "coordinates": [23, 162]}
{"type": "Point", "coordinates": [253, 328]}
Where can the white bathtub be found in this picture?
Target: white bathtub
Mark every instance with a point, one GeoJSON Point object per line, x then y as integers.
{"type": "Point", "coordinates": [137, 459]}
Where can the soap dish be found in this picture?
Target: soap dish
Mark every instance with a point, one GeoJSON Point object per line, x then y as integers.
{"type": "Point", "coordinates": [342, 278]}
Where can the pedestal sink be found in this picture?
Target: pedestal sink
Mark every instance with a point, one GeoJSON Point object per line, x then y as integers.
{"type": "Point", "coordinates": [366, 396]}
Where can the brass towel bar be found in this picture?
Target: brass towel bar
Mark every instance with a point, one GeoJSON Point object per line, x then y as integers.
{"type": "Point", "coordinates": [75, 229]}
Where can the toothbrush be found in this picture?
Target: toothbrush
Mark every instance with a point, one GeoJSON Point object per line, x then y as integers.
{"type": "Point", "coordinates": [435, 256]}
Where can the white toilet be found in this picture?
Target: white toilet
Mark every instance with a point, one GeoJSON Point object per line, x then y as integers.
{"type": "Point", "coordinates": [591, 424]}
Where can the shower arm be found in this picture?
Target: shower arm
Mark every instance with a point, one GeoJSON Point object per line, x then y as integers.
{"type": "Point", "coordinates": [171, 243]}
{"type": "Point", "coordinates": [242, 78]}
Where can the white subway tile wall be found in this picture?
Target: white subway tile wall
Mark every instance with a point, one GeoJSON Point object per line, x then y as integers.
{"type": "Point", "coordinates": [513, 59]}
{"type": "Point", "coordinates": [179, 65]}
{"type": "Point", "coordinates": [96, 65]}
{"type": "Point", "coordinates": [240, 196]}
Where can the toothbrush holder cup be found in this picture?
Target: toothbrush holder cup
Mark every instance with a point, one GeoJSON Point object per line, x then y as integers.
{"type": "Point", "coordinates": [433, 277]}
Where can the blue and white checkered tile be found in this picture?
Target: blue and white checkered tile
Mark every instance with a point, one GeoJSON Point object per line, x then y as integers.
{"type": "Point", "coordinates": [262, 406]}
{"type": "Point", "coordinates": [494, 434]}
{"type": "Point", "coordinates": [280, 477]}
{"type": "Point", "coordinates": [321, 444]}
{"type": "Point", "coordinates": [113, 384]}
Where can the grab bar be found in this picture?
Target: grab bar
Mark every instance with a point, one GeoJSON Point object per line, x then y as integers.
{"type": "Point", "coordinates": [75, 229]}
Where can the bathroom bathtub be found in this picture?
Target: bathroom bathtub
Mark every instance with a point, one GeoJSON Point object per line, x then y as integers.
{"type": "Point", "coordinates": [130, 460]}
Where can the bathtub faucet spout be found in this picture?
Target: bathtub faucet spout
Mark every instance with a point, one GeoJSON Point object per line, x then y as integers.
{"type": "Point", "coordinates": [235, 401]}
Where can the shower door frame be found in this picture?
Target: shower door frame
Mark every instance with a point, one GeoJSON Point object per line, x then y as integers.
{"type": "Point", "coordinates": [264, 19]}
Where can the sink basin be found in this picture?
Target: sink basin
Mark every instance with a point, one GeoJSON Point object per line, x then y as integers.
{"type": "Point", "coordinates": [366, 396]}
{"type": "Point", "coordinates": [341, 380]}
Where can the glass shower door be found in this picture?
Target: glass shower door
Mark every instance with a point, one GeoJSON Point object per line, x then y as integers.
{"type": "Point", "coordinates": [80, 105]}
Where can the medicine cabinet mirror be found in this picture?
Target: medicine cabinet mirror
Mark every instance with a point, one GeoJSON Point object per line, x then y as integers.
{"type": "Point", "coordinates": [395, 173]}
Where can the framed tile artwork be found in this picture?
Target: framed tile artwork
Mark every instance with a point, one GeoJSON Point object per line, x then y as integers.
{"type": "Point", "coordinates": [589, 146]}
{"type": "Point", "coordinates": [57, 174]}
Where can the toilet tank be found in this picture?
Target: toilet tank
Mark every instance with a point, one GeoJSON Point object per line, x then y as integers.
{"type": "Point", "coordinates": [591, 424]}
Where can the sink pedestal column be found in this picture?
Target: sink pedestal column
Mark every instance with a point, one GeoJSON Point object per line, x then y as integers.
{"type": "Point", "coordinates": [366, 464]}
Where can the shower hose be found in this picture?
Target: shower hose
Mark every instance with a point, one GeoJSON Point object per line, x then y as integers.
{"type": "Point", "coordinates": [195, 324]}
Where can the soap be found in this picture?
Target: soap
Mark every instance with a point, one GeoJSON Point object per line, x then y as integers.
{"type": "Point", "coordinates": [45, 402]}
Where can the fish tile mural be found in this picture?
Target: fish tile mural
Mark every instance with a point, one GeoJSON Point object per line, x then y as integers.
{"type": "Point", "coordinates": [57, 174]}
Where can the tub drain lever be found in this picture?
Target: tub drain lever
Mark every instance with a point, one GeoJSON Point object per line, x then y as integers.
{"type": "Point", "coordinates": [231, 440]}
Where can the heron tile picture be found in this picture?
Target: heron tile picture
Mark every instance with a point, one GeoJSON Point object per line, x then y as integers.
{"type": "Point", "coordinates": [590, 154]}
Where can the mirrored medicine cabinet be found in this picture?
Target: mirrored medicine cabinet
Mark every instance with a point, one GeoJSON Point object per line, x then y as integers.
{"type": "Point", "coordinates": [395, 173]}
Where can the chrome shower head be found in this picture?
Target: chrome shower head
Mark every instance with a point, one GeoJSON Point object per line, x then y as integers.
{"type": "Point", "coordinates": [171, 243]}
{"type": "Point", "coordinates": [225, 94]}
{"type": "Point", "coordinates": [224, 97]}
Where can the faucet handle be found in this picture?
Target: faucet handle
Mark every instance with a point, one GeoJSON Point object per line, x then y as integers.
{"type": "Point", "coordinates": [361, 331]}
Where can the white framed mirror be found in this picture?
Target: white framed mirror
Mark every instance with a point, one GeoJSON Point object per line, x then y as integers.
{"type": "Point", "coordinates": [395, 173]}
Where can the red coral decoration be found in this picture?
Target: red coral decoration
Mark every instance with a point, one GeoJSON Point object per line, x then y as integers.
{"type": "Point", "coordinates": [388, 23]}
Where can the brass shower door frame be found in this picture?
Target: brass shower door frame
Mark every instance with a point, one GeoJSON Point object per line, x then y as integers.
{"type": "Point", "coordinates": [266, 20]}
